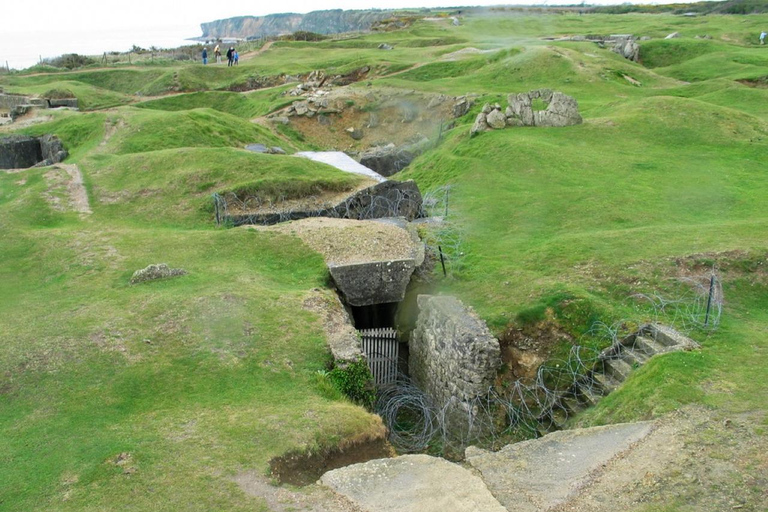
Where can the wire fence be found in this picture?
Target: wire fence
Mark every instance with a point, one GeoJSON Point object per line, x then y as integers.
{"type": "Point", "coordinates": [442, 236]}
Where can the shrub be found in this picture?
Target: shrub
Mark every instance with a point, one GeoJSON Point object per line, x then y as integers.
{"type": "Point", "coordinates": [70, 61]}
{"type": "Point", "coordinates": [356, 382]}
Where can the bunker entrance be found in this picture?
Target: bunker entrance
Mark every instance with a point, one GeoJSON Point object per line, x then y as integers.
{"type": "Point", "coordinates": [374, 316]}
{"type": "Point", "coordinates": [379, 341]}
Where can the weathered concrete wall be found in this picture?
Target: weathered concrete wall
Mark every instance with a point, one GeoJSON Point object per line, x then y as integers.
{"type": "Point", "coordinates": [376, 282]}
{"type": "Point", "coordinates": [453, 356]}
{"type": "Point", "coordinates": [11, 101]}
{"type": "Point", "coordinates": [21, 152]}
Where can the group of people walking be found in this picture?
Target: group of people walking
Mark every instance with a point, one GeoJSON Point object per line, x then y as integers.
{"type": "Point", "coordinates": [233, 58]}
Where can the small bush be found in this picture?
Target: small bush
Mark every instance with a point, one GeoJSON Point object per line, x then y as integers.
{"type": "Point", "coordinates": [356, 382]}
{"type": "Point", "coordinates": [70, 61]}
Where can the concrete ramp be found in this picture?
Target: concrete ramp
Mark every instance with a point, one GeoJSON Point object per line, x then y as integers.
{"type": "Point", "coordinates": [342, 162]}
{"type": "Point", "coordinates": [412, 483]}
{"type": "Point", "coordinates": [539, 474]}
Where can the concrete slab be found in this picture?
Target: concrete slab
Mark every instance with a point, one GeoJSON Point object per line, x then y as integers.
{"type": "Point", "coordinates": [412, 483]}
{"type": "Point", "coordinates": [536, 475]}
{"type": "Point", "coordinates": [341, 161]}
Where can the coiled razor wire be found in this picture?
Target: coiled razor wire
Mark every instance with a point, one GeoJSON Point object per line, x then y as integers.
{"type": "Point", "coordinates": [521, 409]}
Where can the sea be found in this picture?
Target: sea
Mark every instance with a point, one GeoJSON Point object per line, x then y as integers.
{"type": "Point", "coordinates": [22, 50]}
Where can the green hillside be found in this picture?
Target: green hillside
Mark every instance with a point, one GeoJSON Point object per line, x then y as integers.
{"type": "Point", "coordinates": [154, 396]}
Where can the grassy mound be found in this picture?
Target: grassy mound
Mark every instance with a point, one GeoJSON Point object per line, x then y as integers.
{"type": "Point", "coordinates": [174, 187]}
{"type": "Point", "coordinates": [148, 130]}
{"type": "Point", "coordinates": [246, 106]}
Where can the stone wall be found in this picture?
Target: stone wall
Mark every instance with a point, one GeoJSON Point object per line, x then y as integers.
{"type": "Point", "coordinates": [453, 356]}
{"type": "Point", "coordinates": [561, 110]}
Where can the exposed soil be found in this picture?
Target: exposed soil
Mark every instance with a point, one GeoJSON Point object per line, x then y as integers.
{"type": "Point", "coordinates": [525, 348]}
{"type": "Point", "coordinates": [346, 241]}
{"type": "Point", "coordinates": [382, 116]}
{"type": "Point", "coordinates": [306, 468]}
{"type": "Point", "coordinates": [65, 183]}
{"type": "Point", "coordinates": [313, 498]}
{"type": "Point", "coordinates": [760, 83]}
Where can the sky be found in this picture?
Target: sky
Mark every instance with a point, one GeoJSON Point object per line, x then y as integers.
{"type": "Point", "coordinates": [48, 28]}
{"type": "Point", "coordinates": [73, 16]}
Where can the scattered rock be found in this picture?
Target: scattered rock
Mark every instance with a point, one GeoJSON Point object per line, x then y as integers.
{"type": "Point", "coordinates": [257, 148]}
{"type": "Point", "coordinates": [461, 106]}
{"type": "Point", "coordinates": [385, 46]}
{"type": "Point", "coordinates": [673, 35]}
{"type": "Point", "coordinates": [355, 133]}
{"type": "Point", "coordinates": [627, 48]}
{"type": "Point", "coordinates": [562, 110]}
{"type": "Point", "coordinates": [481, 124]}
{"type": "Point", "coordinates": [280, 120]}
{"type": "Point", "coordinates": [156, 271]}
{"type": "Point", "coordinates": [496, 119]}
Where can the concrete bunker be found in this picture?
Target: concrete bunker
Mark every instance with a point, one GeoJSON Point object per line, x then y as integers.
{"type": "Point", "coordinates": [22, 152]}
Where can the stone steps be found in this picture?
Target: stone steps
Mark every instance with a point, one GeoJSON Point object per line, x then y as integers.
{"type": "Point", "coordinates": [615, 365]}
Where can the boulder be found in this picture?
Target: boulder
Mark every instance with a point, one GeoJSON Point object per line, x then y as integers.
{"type": "Point", "coordinates": [156, 271]}
{"type": "Point", "coordinates": [627, 48]}
{"type": "Point", "coordinates": [673, 35]}
{"type": "Point", "coordinates": [563, 110]}
{"type": "Point", "coordinates": [461, 107]}
{"type": "Point", "coordinates": [355, 133]}
{"type": "Point", "coordinates": [481, 124]}
{"type": "Point", "coordinates": [257, 148]}
{"type": "Point", "coordinates": [385, 46]}
{"type": "Point", "coordinates": [496, 119]}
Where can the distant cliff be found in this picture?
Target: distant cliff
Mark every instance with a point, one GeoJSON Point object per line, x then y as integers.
{"type": "Point", "coordinates": [321, 22]}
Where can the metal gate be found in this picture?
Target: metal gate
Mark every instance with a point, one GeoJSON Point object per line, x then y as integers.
{"type": "Point", "coordinates": [381, 349]}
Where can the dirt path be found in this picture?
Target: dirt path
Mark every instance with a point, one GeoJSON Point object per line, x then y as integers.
{"type": "Point", "coordinates": [70, 182]}
{"type": "Point", "coordinates": [248, 56]}
{"type": "Point", "coordinates": [312, 498]}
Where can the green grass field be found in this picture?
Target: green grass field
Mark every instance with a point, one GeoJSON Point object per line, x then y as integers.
{"type": "Point", "coordinates": [204, 376]}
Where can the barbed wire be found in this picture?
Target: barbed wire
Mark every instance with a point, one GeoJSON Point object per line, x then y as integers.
{"type": "Point", "coordinates": [522, 409]}
{"type": "Point", "coordinates": [692, 302]}
{"type": "Point", "coordinates": [442, 233]}
{"type": "Point", "coordinates": [232, 209]}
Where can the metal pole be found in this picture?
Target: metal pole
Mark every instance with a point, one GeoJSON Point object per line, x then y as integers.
{"type": "Point", "coordinates": [709, 300]}
{"type": "Point", "coordinates": [442, 260]}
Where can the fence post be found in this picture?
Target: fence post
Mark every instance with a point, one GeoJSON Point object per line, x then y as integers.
{"type": "Point", "coordinates": [442, 260]}
{"type": "Point", "coordinates": [709, 299]}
